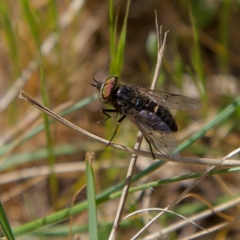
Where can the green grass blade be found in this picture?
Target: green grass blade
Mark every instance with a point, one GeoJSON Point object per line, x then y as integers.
{"type": "Point", "coordinates": [50, 159]}
{"type": "Point", "coordinates": [53, 15]}
{"type": "Point", "coordinates": [122, 43]}
{"type": "Point", "coordinates": [92, 209]}
{"type": "Point", "coordinates": [221, 117]}
{"type": "Point", "coordinates": [111, 28]}
{"type": "Point", "coordinates": [10, 35]}
{"type": "Point", "coordinates": [31, 22]}
{"type": "Point", "coordinates": [5, 224]}
{"type": "Point", "coordinates": [117, 51]}
{"type": "Point", "coordinates": [196, 57]}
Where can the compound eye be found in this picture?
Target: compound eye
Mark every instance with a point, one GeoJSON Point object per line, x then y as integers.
{"type": "Point", "coordinates": [107, 88]}
{"type": "Point", "coordinates": [106, 91]}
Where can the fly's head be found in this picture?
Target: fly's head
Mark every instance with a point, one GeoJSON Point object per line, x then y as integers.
{"type": "Point", "coordinates": [106, 88]}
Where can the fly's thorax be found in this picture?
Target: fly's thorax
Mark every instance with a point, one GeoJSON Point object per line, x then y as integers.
{"type": "Point", "coordinates": [125, 95]}
{"type": "Point", "coordinates": [123, 98]}
{"type": "Point", "coordinates": [107, 88]}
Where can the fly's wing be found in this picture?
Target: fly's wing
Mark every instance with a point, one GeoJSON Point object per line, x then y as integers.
{"type": "Point", "coordinates": [156, 132]}
{"type": "Point", "coordinates": [171, 100]}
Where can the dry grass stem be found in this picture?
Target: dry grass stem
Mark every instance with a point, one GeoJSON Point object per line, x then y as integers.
{"type": "Point", "coordinates": [118, 217]}
{"type": "Point", "coordinates": [196, 217]}
{"type": "Point", "coordinates": [201, 161]}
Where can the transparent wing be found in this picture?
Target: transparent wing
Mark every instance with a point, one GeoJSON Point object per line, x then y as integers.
{"type": "Point", "coordinates": [156, 132]}
{"type": "Point", "coordinates": [171, 100]}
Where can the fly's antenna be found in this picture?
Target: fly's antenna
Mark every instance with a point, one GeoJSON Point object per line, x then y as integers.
{"type": "Point", "coordinates": [94, 81]}
{"type": "Point", "coordinates": [97, 85]}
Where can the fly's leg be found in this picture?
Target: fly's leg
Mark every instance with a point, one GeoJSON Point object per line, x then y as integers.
{"type": "Point", "coordinates": [105, 112]}
{"type": "Point", "coordinates": [115, 131]}
{"type": "Point", "coordinates": [150, 148]}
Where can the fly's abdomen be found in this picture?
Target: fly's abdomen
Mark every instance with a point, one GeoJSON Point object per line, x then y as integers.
{"type": "Point", "coordinates": [144, 103]}
{"type": "Point", "coordinates": [167, 117]}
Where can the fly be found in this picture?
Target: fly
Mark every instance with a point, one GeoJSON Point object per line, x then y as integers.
{"type": "Point", "coordinates": [148, 110]}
